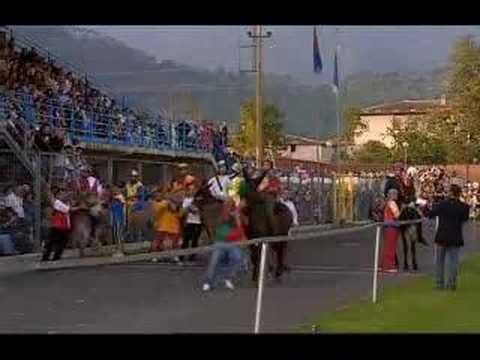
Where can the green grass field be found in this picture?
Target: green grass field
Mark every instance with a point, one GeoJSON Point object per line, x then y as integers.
{"type": "Point", "coordinates": [413, 307]}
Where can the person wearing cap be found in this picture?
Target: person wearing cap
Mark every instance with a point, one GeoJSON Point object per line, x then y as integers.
{"type": "Point", "coordinates": [236, 187]}
{"type": "Point", "coordinates": [132, 189]}
{"type": "Point", "coordinates": [219, 184]}
{"type": "Point", "coordinates": [183, 179]}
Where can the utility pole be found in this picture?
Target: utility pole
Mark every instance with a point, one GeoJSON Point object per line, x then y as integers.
{"type": "Point", "coordinates": [258, 37]}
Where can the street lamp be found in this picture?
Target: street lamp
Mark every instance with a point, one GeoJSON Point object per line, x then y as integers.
{"type": "Point", "coordinates": [405, 148]}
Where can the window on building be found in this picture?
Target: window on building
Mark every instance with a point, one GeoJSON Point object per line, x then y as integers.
{"type": "Point", "coordinates": [293, 147]}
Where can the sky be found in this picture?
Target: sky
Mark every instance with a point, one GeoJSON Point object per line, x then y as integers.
{"type": "Point", "coordinates": [289, 50]}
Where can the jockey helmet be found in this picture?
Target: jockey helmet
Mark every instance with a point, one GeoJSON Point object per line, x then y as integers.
{"type": "Point", "coordinates": [412, 171]}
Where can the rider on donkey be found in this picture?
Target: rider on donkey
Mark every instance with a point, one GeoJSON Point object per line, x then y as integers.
{"type": "Point", "coordinates": [88, 183]}
{"type": "Point", "coordinates": [184, 179]}
{"type": "Point", "coordinates": [219, 183]}
{"type": "Point", "coordinates": [88, 187]}
{"type": "Point", "coordinates": [271, 188]}
{"type": "Point", "coordinates": [404, 184]}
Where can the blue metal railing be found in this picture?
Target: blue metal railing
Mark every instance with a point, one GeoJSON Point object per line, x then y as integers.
{"type": "Point", "coordinates": [98, 128]}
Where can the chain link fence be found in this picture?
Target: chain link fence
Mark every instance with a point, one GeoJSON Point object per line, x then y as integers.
{"type": "Point", "coordinates": [320, 197]}
{"type": "Point", "coordinates": [326, 198]}
{"type": "Point", "coordinates": [25, 231]}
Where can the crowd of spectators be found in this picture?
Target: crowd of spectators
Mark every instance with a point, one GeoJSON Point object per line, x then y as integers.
{"type": "Point", "coordinates": [48, 100]}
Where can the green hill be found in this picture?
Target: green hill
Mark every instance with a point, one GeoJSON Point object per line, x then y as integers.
{"type": "Point", "coordinates": [217, 95]}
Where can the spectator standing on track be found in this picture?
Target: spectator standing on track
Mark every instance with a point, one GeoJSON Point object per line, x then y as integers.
{"type": "Point", "coordinates": [131, 190]}
{"type": "Point", "coordinates": [193, 224]}
{"type": "Point", "coordinates": [8, 217]}
{"type": "Point", "coordinates": [14, 200]}
{"type": "Point", "coordinates": [230, 230]}
{"type": "Point", "coordinates": [118, 213]}
{"type": "Point", "coordinates": [167, 223]}
{"type": "Point", "coordinates": [391, 232]}
{"type": "Point", "coordinates": [452, 214]}
{"type": "Point", "coordinates": [59, 225]}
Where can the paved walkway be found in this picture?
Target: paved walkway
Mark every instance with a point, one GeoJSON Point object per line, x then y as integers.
{"type": "Point", "coordinates": [328, 273]}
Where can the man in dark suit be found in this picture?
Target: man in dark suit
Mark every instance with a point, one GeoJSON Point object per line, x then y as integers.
{"type": "Point", "coordinates": [452, 215]}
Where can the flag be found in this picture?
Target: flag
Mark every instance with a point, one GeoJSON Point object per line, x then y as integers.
{"type": "Point", "coordinates": [317, 59]}
{"type": "Point", "coordinates": [336, 85]}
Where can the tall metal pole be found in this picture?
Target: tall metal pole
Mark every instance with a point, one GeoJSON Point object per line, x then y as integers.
{"type": "Point", "coordinates": [258, 97]}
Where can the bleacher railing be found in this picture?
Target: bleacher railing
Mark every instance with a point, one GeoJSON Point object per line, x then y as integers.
{"type": "Point", "coordinates": [102, 128]}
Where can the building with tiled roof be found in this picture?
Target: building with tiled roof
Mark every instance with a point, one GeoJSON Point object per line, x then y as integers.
{"type": "Point", "coordinates": [380, 118]}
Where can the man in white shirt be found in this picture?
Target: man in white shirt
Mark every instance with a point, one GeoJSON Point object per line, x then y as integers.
{"type": "Point", "coordinates": [285, 199]}
{"type": "Point", "coordinates": [193, 224]}
{"type": "Point", "coordinates": [219, 184]}
{"type": "Point", "coordinates": [14, 199]}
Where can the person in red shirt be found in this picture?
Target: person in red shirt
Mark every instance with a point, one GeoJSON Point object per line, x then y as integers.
{"type": "Point", "coordinates": [391, 232]}
{"type": "Point", "coordinates": [59, 225]}
{"type": "Point", "coordinates": [184, 180]}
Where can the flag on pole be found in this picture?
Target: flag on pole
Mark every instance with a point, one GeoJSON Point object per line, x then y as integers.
{"type": "Point", "coordinates": [336, 84]}
{"type": "Point", "coordinates": [317, 59]}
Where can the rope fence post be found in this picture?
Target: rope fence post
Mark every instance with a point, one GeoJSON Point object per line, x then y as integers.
{"type": "Point", "coordinates": [261, 280]}
{"type": "Point", "coordinates": [375, 266]}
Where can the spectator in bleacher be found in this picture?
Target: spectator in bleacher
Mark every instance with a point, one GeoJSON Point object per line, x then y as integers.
{"type": "Point", "coordinates": [224, 134]}
{"type": "Point", "coordinates": [57, 140]}
{"type": "Point", "coordinates": [42, 138]}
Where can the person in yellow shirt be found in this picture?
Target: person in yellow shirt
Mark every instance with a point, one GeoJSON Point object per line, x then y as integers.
{"type": "Point", "coordinates": [167, 215]}
{"type": "Point", "coordinates": [131, 189]}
